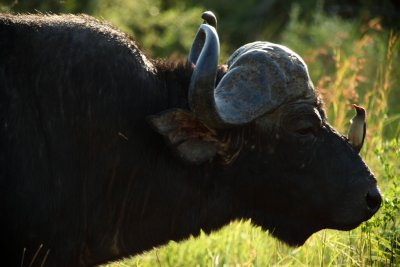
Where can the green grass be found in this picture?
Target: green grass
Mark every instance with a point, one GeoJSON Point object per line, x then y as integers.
{"type": "Point", "coordinates": [241, 244]}
{"type": "Point", "coordinates": [349, 62]}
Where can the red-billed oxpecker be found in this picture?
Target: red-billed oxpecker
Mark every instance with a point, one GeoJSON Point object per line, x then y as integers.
{"type": "Point", "coordinates": [357, 128]}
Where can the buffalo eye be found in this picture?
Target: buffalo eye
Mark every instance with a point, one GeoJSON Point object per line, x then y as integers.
{"type": "Point", "coordinates": [304, 127]}
{"type": "Point", "coordinates": [302, 121]}
{"type": "Point", "coordinates": [305, 130]}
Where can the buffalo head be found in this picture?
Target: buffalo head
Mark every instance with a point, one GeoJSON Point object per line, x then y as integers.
{"type": "Point", "coordinates": [263, 132]}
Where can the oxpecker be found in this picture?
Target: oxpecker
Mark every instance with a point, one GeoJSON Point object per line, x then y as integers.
{"type": "Point", "coordinates": [357, 128]}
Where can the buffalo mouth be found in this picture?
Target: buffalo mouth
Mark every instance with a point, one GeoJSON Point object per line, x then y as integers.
{"type": "Point", "coordinates": [353, 225]}
{"type": "Point", "coordinates": [297, 237]}
{"type": "Point", "coordinates": [295, 234]}
{"type": "Point", "coordinates": [347, 226]}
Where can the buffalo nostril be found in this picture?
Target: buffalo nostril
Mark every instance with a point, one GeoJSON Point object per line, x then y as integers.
{"type": "Point", "coordinates": [374, 199]}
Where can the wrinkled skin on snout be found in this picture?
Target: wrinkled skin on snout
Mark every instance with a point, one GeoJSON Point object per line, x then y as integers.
{"type": "Point", "coordinates": [297, 175]}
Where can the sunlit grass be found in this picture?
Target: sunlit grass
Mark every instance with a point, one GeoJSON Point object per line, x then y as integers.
{"type": "Point", "coordinates": [241, 244]}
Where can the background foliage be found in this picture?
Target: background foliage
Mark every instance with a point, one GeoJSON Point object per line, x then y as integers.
{"type": "Point", "coordinates": [167, 26]}
{"type": "Point", "coordinates": [352, 49]}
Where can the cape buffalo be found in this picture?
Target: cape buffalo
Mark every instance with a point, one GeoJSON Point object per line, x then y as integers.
{"type": "Point", "coordinates": [105, 153]}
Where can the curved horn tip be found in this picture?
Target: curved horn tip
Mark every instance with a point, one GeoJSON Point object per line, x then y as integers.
{"type": "Point", "coordinates": [209, 18]}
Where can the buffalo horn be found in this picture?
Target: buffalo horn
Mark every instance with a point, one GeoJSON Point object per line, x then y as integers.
{"type": "Point", "coordinates": [261, 77]}
{"type": "Point", "coordinates": [204, 55]}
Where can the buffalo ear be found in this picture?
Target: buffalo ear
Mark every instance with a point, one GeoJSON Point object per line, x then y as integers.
{"type": "Point", "coordinates": [192, 140]}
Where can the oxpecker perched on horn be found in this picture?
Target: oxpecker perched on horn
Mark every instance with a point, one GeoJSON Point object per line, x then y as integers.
{"type": "Point", "coordinates": [209, 18]}
{"type": "Point", "coordinates": [357, 128]}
